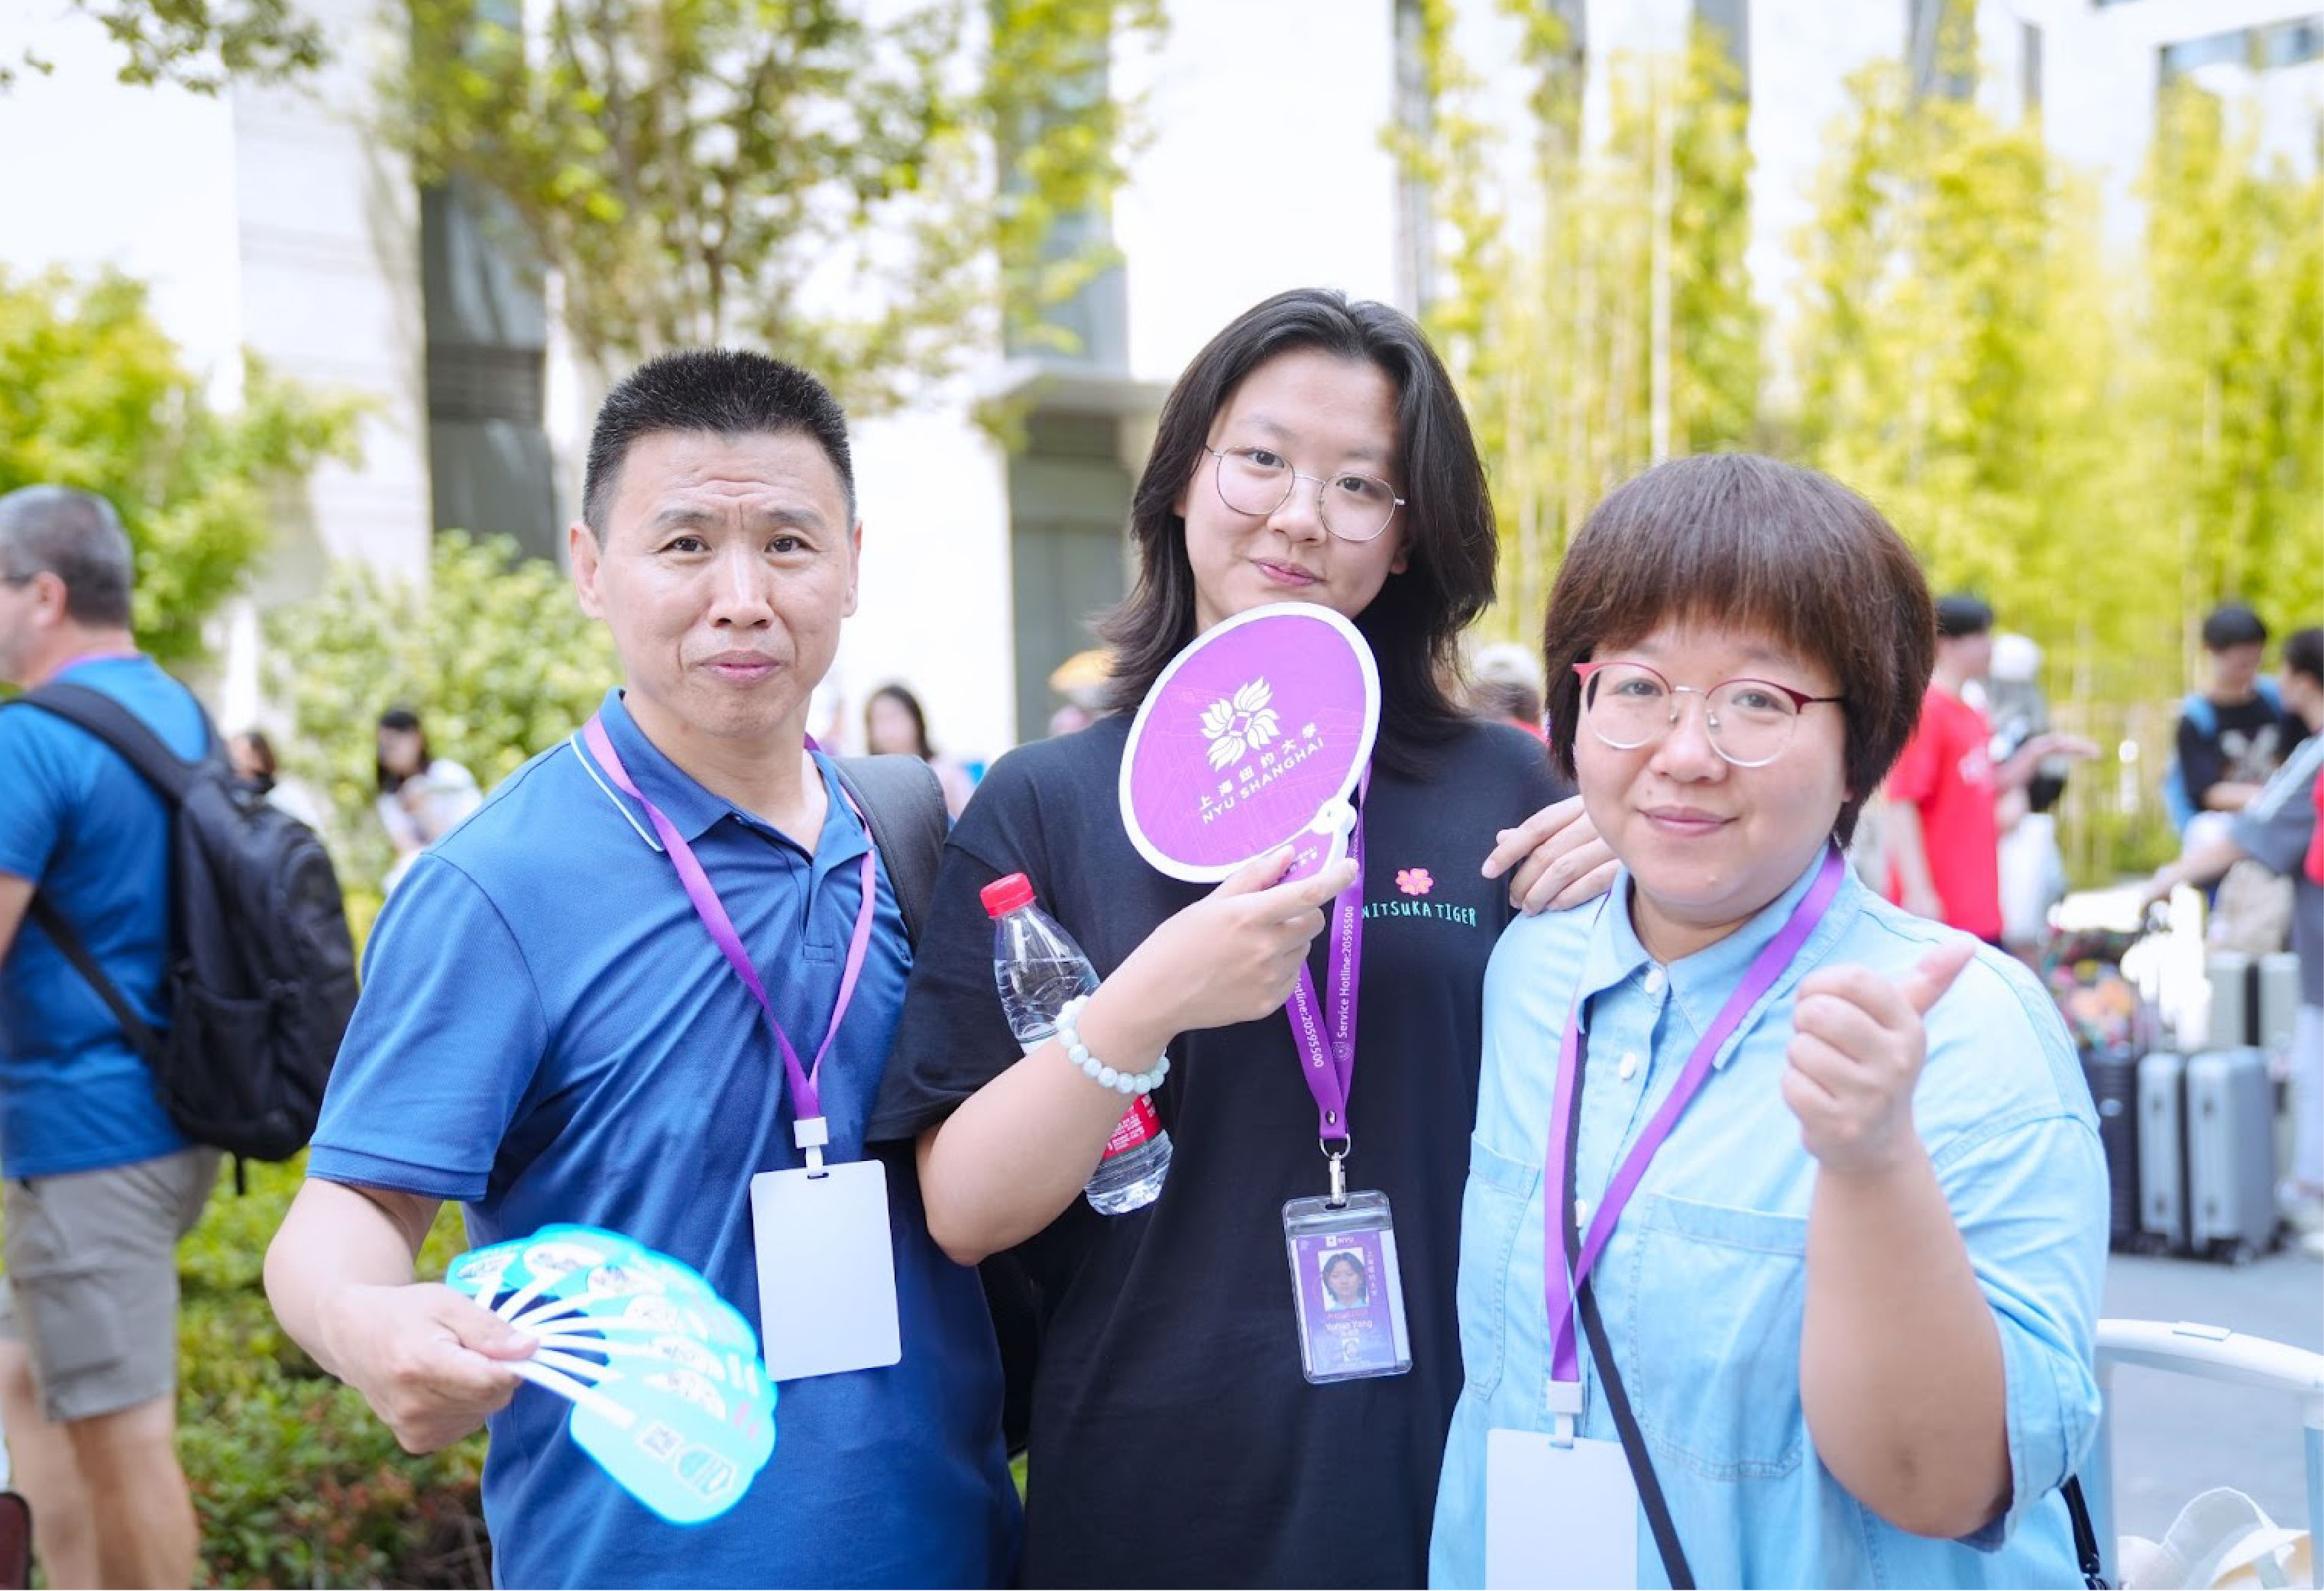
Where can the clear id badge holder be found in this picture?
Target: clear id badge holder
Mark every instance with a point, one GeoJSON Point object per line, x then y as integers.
{"type": "Point", "coordinates": [1346, 1284]}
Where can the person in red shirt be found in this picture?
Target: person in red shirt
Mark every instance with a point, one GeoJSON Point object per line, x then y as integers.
{"type": "Point", "coordinates": [2315, 864]}
{"type": "Point", "coordinates": [1938, 823]}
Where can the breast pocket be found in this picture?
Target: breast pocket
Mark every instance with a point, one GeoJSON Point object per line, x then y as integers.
{"type": "Point", "coordinates": [1492, 1213]}
{"type": "Point", "coordinates": [1717, 1297]}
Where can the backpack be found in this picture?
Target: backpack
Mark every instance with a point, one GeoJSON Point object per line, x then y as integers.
{"type": "Point", "coordinates": [903, 806]}
{"type": "Point", "coordinates": [2199, 711]}
{"type": "Point", "coordinates": [261, 977]}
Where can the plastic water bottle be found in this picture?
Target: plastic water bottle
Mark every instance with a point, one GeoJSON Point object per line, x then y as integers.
{"type": "Point", "coordinates": [1037, 968]}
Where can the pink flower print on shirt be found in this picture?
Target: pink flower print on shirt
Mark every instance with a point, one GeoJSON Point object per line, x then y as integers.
{"type": "Point", "coordinates": [1414, 881]}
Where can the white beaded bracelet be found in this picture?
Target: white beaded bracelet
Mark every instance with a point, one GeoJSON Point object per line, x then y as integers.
{"type": "Point", "coordinates": [1069, 1035]}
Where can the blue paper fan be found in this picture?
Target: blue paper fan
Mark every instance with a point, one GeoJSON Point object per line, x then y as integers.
{"type": "Point", "coordinates": [669, 1395]}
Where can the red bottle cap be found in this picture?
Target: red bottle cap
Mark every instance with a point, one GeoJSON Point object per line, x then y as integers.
{"type": "Point", "coordinates": [1003, 896]}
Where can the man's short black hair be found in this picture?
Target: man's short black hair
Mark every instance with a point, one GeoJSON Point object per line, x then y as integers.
{"type": "Point", "coordinates": [724, 391]}
{"type": "Point", "coordinates": [2304, 653]}
{"type": "Point", "coordinates": [2233, 624]}
{"type": "Point", "coordinates": [1960, 615]}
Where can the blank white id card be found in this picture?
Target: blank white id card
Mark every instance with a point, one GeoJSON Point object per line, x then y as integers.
{"type": "Point", "coordinates": [1558, 1517]}
{"type": "Point", "coordinates": [826, 1270]}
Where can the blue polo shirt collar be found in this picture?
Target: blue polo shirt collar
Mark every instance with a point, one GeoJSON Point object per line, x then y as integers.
{"type": "Point", "coordinates": [1702, 982]}
{"type": "Point", "coordinates": [694, 811]}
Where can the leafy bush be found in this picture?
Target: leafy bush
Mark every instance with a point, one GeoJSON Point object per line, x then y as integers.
{"type": "Point", "coordinates": [296, 1481]}
{"type": "Point", "coordinates": [94, 394]}
{"type": "Point", "coordinates": [494, 655]}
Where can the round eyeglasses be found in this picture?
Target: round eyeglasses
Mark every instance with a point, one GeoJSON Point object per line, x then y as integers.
{"type": "Point", "coordinates": [1258, 481]}
{"type": "Point", "coordinates": [1748, 722]}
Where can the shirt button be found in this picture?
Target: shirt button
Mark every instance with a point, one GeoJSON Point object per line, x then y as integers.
{"type": "Point", "coordinates": [1655, 978]}
{"type": "Point", "coordinates": [1629, 1068]}
{"type": "Point", "coordinates": [1581, 1211]}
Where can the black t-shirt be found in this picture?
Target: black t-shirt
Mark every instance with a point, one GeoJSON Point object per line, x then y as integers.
{"type": "Point", "coordinates": [2248, 742]}
{"type": "Point", "coordinates": [1174, 1440]}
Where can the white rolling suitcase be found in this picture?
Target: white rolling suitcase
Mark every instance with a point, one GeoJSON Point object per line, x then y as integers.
{"type": "Point", "coordinates": [2163, 1152]}
{"type": "Point", "coordinates": [2230, 1118]}
{"type": "Point", "coordinates": [2207, 1353]}
{"type": "Point", "coordinates": [2279, 1002]}
{"type": "Point", "coordinates": [2233, 1021]}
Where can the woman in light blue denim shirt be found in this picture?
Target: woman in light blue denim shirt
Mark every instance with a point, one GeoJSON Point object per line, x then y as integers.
{"type": "Point", "coordinates": [1851, 1298]}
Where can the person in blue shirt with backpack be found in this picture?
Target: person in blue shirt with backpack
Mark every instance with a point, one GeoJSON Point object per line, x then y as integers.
{"type": "Point", "coordinates": [2234, 732]}
{"type": "Point", "coordinates": [100, 1183]}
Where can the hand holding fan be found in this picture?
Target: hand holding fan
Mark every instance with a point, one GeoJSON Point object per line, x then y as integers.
{"type": "Point", "coordinates": [669, 1394]}
{"type": "Point", "coordinates": [1251, 739]}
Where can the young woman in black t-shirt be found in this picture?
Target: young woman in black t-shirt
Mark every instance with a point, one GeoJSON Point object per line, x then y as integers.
{"type": "Point", "coordinates": [1176, 1439]}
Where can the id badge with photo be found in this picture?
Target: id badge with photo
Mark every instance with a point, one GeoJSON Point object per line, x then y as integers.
{"type": "Point", "coordinates": [826, 1270]}
{"type": "Point", "coordinates": [1346, 1287]}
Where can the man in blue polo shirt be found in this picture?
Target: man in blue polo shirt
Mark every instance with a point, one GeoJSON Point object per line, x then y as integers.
{"type": "Point", "coordinates": [100, 1186]}
{"type": "Point", "coordinates": [548, 1032]}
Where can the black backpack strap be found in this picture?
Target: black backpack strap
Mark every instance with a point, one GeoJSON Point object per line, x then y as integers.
{"type": "Point", "coordinates": [126, 732]}
{"type": "Point", "coordinates": [904, 807]}
{"type": "Point", "coordinates": [68, 940]}
{"type": "Point", "coordinates": [160, 767]}
{"type": "Point", "coordinates": [2086, 1535]}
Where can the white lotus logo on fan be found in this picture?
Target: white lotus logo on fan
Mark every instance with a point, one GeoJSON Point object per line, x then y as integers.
{"type": "Point", "coordinates": [1241, 726]}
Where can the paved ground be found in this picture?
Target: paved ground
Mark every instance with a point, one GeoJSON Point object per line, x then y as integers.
{"type": "Point", "coordinates": [2174, 1436]}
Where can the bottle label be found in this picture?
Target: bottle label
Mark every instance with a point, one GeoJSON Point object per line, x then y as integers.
{"type": "Point", "coordinates": [1138, 1124]}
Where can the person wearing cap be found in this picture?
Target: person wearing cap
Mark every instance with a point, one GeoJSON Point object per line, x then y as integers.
{"type": "Point", "coordinates": [1941, 827]}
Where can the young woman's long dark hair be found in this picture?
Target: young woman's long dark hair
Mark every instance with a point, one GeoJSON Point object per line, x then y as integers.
{"type": "Point", "coordinates": [405, 721]}
{"type": "Point", "coordinates": [1414, 624]}
{"type": "Point", "coordinates": [910, 704]}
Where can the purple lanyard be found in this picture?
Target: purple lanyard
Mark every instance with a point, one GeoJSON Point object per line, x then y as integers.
{"type": "Point", "coordinates": [806, 1100]}
{"type": "Point", "coordinates": [1765, 969]}
{"type": "Point", "coordinates": [1324, 1029]}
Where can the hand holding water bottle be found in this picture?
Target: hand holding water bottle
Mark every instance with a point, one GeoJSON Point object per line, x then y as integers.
{"type": "Point", "coordinates": [1039, 970]}
{"type": "Point", "coordinates": [1234, 955]}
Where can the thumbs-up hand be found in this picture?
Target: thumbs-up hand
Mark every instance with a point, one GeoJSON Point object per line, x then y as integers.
{"type": "Point", "coordinates": [1858, 1045]}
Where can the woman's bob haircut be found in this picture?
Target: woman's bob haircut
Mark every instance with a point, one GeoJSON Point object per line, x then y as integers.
{"type": "Point", "coordinates": [1735, 541]}
{"type": "Point", "coordinates": [1446, 523]}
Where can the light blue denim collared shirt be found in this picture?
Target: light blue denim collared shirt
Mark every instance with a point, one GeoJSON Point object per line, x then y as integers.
{"type": "Point", "coordinates": [1703, 1283]}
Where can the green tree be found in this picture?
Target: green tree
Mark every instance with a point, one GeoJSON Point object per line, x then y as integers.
{"type": "Point", "coordinates": [198, 44]}
{"type": "Point", "coordinates": [2103, 446]}
{"type": "Point", "coordinates": [1961, 363]}
{"type": "Point", "coordinates": [2230, 390]}
{"type": "Point", "coordinates": [781, 172]}
{"type": "Point", "coordinates": [1597, 315]}
{"type": "Point", "coordinates": [493, 653]}
{"type": "Point", "coordinates": [93, 394]}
